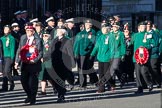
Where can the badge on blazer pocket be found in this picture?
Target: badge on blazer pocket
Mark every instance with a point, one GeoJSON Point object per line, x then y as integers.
{"type": "Point", "coordinates": [149, 36]}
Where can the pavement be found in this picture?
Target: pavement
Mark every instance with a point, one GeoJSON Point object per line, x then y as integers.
{"type": "Point", "coordinates": [85, 98]}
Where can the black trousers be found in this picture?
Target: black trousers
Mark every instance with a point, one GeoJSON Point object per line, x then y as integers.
{"type": "Point", "coordinates": [7, 72]}
{"type": "Point", "coordinates": [29, 80]}
{"type": "Point", "coordinates": [155, 70]}
{"type": "Point", "coordinates": [127, 67]}
{"type": "Point", "coordinates": [142, 70]}
{"type": "Point", "coordinates": [103, 73]}
{"type": "Point", "coordinates": [86, 68]}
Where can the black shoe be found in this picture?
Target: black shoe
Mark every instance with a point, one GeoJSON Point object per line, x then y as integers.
{"type": "Point", "coordinates": [61, 100]}
{"type": "Point", "coordinates": [12, 87]}
{"type": "Point", "coordinates": [139, 91]}
{"type": "Point", "coordinates": [27, 100]}
{"type": "Point", "coordinates": [33, 100]}
{"type": "Point", "coordinates": [158, 86]}
{"type": "Point", "coordinates": [42, 94]}
{"type": "Point", "coordinates": [150, 88]}
{"type": "Point", "coordinates": [54, 90]}
{"type": "Point", "coordinates": [3, 90]}
{"type": "Point", "coordinates": [15, 74]}
{"type": "Point", "coordinates": [122, 84]}
{"type": "Point", "coordinates": [32, 103]}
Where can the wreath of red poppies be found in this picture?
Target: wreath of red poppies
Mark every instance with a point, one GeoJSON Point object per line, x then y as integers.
{"type": "Point", "coordinates": [26, 56]}
{"type": "Point", "coordinates": [141, 58]}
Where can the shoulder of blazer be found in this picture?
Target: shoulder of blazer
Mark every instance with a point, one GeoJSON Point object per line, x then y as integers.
{"type": "Point", "coordinates": [23, 36]}
{"type": "Point", "coordinates": [36, 37]}
{"type": "Point", "coordinates": [10, 35]}
{"type": "Point", "coordinates": [54, 40]}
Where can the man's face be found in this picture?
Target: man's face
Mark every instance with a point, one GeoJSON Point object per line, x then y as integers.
{"type": "Point", "coordinates": [88, 25]}
{"type": "Point", "coordinates": [45, 37]}
{"type": "Point", "coordinates": [6, 30]}
{"type": "Point", "coordinates": [115, 28]}
{"type": "Point", "coordinates": [142, 28]}
{"type": "Point", "coordinates": [104, 30]}
{"type": "Point", "coordinates": [16, 28]}
{"type": "Point", "coordinates": [70, 24]}
{"type": "Point", "coordinates": [51, 23]}
{"type": "Point", "coordinates": [29, 32]}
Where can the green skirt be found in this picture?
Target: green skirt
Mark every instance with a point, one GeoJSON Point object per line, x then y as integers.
{"type": "Point", "coordinates": [43, 75]}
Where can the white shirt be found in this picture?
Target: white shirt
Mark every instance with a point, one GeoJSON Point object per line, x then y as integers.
{"type": "Point", "coordinates": [30, 39]}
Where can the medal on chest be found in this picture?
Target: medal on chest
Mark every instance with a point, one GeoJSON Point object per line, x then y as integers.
{"type": "Point", "coordinates": [128, 41]}
{"type": "Point", "coordinates": [145, 37]}
{"type": "Point", "coordinates": [117, 36]}
{"type": "Point", "coordinates": [106, 40]}
{"type": "Point", "coordinates": [90, 35]}
{"type": "Point", "coordinates": [7, 42]}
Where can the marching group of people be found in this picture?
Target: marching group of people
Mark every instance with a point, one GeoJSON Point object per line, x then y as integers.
{"type": "Point", "coordinates": [47, 51]}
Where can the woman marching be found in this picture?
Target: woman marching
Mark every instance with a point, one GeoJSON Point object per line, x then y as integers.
{"type": "Point", "coordinates": [46, 63]}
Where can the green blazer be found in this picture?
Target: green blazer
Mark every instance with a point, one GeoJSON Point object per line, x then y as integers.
{"type": "Point", "coordinates": [8, 51]}
{"type": "Point", "coordinates": [103, 48]}
{"type": "Point", "coordinates": [137, 41]}
{"type": "Point", "coordinates": [119, 44]}
{"type": "Point", "coordinates": [84, 42]}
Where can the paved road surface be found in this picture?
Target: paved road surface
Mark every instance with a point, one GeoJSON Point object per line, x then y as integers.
{"type": "Point", "coordinates": [88, 98]}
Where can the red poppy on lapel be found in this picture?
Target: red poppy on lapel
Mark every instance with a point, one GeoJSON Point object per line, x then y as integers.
{"type": "Point", "coordinates": [34, 42]}
{"type": "Point", "coordinates": [90, 33]}
{"type": "Point", "coordinates": [46, 46]}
